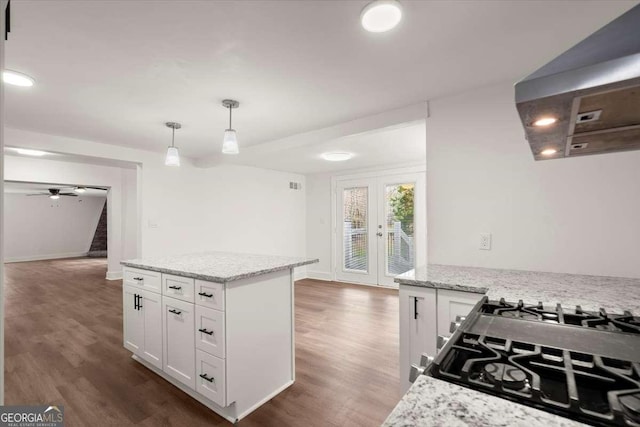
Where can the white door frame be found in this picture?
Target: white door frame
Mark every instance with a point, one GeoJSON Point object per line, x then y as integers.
{"type": "Point", "coordinates": [420, 209]}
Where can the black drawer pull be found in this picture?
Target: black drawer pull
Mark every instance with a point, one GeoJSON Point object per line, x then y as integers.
{"type": "Point", "coordinates": [175, 287]}
{"type": "Point", "coordinates": [175, 312]}
{"type": "Point", "coordinates": [205, 377]}
{"type": "Point", "coordinates": [204, 331]}
{"type": "Point", "coordinates": [204, 294]}
{"type": "Point", "coordinates": [138, 278]}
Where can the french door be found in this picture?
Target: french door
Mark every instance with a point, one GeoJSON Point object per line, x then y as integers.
{"type": "Point", "coordinates": [379, 227]}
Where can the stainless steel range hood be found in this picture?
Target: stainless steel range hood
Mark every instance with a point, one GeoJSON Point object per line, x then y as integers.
{"type": "Point", "coordinates": [593, 93]}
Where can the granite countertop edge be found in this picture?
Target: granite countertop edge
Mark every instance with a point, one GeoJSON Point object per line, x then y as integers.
{"type": "Point", "coordinates": [218, 279]}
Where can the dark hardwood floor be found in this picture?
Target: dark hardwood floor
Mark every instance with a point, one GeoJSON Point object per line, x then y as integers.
{"type": "Point", "coordinates": [63, 345]}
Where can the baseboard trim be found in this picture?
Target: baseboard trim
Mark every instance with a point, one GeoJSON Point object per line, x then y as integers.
{"type": "Point", "coordinates": [114, 275]}
{"type": "Point", "coordinates": [320, 275]}
{"type": "Point", "coordinates": [45, 257]}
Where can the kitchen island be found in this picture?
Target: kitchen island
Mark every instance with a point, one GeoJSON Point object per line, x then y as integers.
{"type": "Point", "coordinates": [217, 325]}
{"type": "Point", "coordinates": [431, 401]}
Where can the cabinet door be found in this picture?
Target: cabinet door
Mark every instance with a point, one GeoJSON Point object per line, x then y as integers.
{"type": "Point", "coordinates": [452, 304]}
{"type": "Point", "coordinates": [210, 331]}
{"type": "Point", "coordinates": [211, 377]}
{"type": "Point", "coordinates": [178, 344]}
{"type": "Point", "coordinates": [152, 308]}
{"type": "Point", "coordinates": [143, 279]}
{"type": "Point", "coordinates": [418, 331]}
{"type": "Point", "coordinates": [210, 294]}
{"type": "Point", "coordinates": [178, 287]}
{"type": "Point", "coordinates": [133, 321]}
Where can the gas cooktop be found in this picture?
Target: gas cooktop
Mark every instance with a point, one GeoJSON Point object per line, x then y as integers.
{"type": "Point", "coordinates": [578, 364]}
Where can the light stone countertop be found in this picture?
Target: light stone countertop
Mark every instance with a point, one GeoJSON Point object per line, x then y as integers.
{"type": "Point", "coordinates": [433, 402]}
{"type": "Point", "coordinates": [614, 294]}
{"type": "Point", "coordinates": [218, 267]}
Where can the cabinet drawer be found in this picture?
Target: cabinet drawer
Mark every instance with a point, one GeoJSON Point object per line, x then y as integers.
{"type": "Point", "coordinates": [143, 279]}
{"type": "Point", "coordinates": [210, 331]}
{"type": "Point", "coordinates": [452, 304]}
{"type": "Point", "coordinates": [177, 287]}
{"type": "Point", "coordinates": [210, 294]}
{"type": "Point", "coordinates": [210, 377]}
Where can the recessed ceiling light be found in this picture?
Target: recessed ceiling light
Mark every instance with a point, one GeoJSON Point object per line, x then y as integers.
{"type": "Point", "coordinates": [381, 15]}
{"type": "Point", "coordinates": [27, 152]}
{"type": "Point", "coordinates": [545, 121]}
{"type": "Point", "coordinates": [548, 151]}
{"type": "Point", "coordinates": [17, 79]}
{"type": "Point", "coordinates": [337, 156]}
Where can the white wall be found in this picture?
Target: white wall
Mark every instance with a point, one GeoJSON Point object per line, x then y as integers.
{"type": "Point", "coordinates": [578, 215]}
{"type": "Point", "coordinates": [41, 228]}
{"type": "Point", "coordinates": [189, 209]}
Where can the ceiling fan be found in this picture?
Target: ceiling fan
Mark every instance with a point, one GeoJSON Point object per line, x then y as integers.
{"type": "Point", "coordinates": [55, 193]}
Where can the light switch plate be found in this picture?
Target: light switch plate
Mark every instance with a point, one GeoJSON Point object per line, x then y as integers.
{"type": "Point", "coordinates": [485, 241]}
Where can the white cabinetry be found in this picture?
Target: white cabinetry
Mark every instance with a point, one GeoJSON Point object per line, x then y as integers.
{"type": "Point", "coordinates": [228, 345]}
{"type": "Point", "coordinates": [426, 313]}
{"type": "Point", "coordinates": [178, 320]}
{"type": "Point", "coordinates": [142, 316]}
{"type": "Point", "coordinates": [418, 327]}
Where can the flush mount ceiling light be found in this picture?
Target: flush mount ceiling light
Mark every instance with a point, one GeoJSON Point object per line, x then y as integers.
{"type": "Point", "coordinates": [173, 157]}
{"type": "Point", "coordinates": [27, 152]}
{"type": "Point", "coordinates": [381, 15]}
{"type": "Point", "coordinates": [545, 121]}
{"type": "Point", "coordinates": [548, 151]}
{"type": "Point", "coordinates": [230, 140]}
{"type": "Point", "coordinates": [80, 190]}
{"type": "Point", "coordinates": [337, 156]}
{"type": "Point", "coordinates": [17, 79]}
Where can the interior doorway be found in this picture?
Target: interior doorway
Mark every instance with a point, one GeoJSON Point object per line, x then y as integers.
{"type": "Point", "coordinates": [379, 227]}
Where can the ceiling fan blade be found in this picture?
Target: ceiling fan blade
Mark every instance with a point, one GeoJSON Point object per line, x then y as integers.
{"type": "Point", "coordinates": [38, 194]}
{"type": "Point", "coordinates": [68, 194]}
{"type": "Point", "coordinates": [97, 188]}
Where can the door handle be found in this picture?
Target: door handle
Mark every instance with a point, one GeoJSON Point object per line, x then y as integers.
{"type": "Point", "coordinates": [175, 312]}
{"type": "Point", "coordinates": [135, 301]}
{"type": "Point", "coordinates": [139, 279]}
{"type": "Point", "coordinates": [204, 331]}
{"type": "Point", "coordinates": [379, 234]}
{"type": "Point", "coordinates": [415, 307]}
{"type": "Point", "coordinates": [175, 287]}
{"type": "Point", "coordinates": [204, 294]}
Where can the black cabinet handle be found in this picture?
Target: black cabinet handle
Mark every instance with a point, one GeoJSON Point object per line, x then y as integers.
{"type": "Point", "coordinates": [135, 301]}
{"type": "Point", "coordinates": [415, 307]}
{"type": "Point", "coordinates": [205, 377]}
{"type": "Point", "coordinates": [138, 278]}
{"type": "Point", "coordinates": [175, 287]}
{"type": "Point", "coordinates": [204, 331]}
{"type": "Point", "coordinates": [204, 294]}
{"type": "Point", "coordinates": [175, 312]}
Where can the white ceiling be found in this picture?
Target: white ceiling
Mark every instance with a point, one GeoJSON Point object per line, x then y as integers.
{"type": "Point", "coordinates": [397, 145]}
{"type": "Point", "coordinates": [115, 71]}
{"type": "Point", "coordinates": [14, 187]}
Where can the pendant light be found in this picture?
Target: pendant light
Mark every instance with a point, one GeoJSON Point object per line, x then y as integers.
{"type": "Point", "coordinates": [230, 141]}
{"type": "Point", "coordinates": [173, 157]}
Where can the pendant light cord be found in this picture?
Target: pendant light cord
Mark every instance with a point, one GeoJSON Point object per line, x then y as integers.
{"type": "Point", "coordinates": [230, 108]}
{"type": "Point", "coordinates": [173, 135]}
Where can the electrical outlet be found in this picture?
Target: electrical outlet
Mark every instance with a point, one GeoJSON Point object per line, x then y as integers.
{"type": "Point", "coordinates": [485, 241]}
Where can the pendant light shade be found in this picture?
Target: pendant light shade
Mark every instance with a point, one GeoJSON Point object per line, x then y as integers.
{"type": "Point", "coordinates": [230, 140]}
{"type": "Point", "coordinates": [173, 156]}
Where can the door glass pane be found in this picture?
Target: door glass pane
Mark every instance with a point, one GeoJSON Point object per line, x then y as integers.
{"type": "Point", "coordinates": [399, 201]}
{"type": "Point", "coordinates": [355, 236]}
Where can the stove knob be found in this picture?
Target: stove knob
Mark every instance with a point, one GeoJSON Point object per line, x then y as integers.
{"type": "Point", "coordinates": [441, 341]}
{"type": "Point", "coordinates": [415, 372]}
{"type": "Point", "coordinates": [425, 360]}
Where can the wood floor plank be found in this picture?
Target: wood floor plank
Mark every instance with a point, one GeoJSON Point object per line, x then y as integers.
{"type": "Point", "coordinates": [63, 345]}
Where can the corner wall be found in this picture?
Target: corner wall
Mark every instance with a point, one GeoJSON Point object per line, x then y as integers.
{"type": "Point", "coordinates": [577, 215]}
